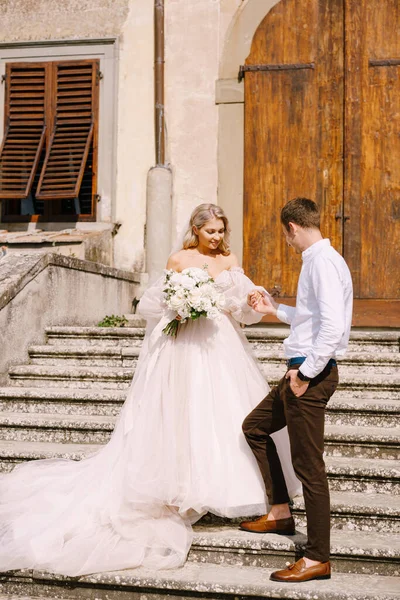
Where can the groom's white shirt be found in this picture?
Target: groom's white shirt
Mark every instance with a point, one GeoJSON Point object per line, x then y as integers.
{"type": "Point", "coordinates": [320, 323]}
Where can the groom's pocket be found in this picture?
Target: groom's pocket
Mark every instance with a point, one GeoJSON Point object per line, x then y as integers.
{"type": "Point", "coordinates": [325, 384]}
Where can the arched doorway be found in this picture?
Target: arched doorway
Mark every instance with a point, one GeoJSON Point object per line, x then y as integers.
{"type": "Point", "coordinates": [322, 119]}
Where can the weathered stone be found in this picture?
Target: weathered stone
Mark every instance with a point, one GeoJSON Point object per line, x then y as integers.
{"type": "Point", "coordinates": [71, 411]}
{"type": "Point", "coordinates": [199, 580]}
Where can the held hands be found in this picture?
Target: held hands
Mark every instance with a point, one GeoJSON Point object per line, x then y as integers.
{"type": "Point", "coordinates": [297, 386]}
{"type": "Point", "coordinates": [262, 302]}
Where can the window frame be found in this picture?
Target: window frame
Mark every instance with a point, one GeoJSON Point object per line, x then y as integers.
{"type": "Point", "coordinates": [104, 50]}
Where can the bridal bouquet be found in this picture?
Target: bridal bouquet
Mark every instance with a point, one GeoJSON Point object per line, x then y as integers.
{"type": "Point", "coordinates": [191, 294]}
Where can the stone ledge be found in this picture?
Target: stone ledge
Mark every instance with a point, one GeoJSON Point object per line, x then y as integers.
{"type": "Point", "coordinates": [215, 581]}
{"type": "Point", "coordinates": [17, 270]}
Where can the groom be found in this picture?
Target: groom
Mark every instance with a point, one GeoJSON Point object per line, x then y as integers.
{"type": "Point", "coordinates": [319, 332]}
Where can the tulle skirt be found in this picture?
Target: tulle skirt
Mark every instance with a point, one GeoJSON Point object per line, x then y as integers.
{"type": "Point", "coordinates": [177, 452]}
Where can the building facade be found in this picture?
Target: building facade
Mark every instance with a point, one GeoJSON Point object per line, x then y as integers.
{"type": "Point", "coordinates": [264, 100]}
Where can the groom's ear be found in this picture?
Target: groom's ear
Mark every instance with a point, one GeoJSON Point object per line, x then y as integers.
{"type": "Point", "coordinates": [293, 227]}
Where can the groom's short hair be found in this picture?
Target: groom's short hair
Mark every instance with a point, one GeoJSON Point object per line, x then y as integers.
{"type": "Point", "coordinates": [302, 211]}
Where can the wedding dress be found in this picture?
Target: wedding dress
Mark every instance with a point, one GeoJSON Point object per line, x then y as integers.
{"type": "Point", "coordinates": [177, 451]}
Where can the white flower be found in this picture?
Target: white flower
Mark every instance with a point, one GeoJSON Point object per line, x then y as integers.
{"type": "Point", "coordinates": [205, 304]}
{"type": "Point", "coordinates": [200, 275]}
{"type": "Point", "coordinates": [177, 301]}
{"type": "Point", "coordinates": [187, 282]}
{"type": "Point", "coordinates": [208, 290]}
{"type": "Point", "coordinates": [175, 279]}
{"type": "Point", "coordinates": [195, 296]}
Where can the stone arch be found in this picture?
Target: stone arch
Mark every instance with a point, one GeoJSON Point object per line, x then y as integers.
{"type": "Point", "coordinates": [230, 99]}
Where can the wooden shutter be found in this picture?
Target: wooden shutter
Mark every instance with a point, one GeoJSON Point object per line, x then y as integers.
{"type": "Point", "coordinates": [74, 132]}
{"type": "Point", "coordinates": [24, 128]}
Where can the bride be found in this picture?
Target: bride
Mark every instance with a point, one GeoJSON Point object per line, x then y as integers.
{"type": "Point", "coordinates": [177, 450]}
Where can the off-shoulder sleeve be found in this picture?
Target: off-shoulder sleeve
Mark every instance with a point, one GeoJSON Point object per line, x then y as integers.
{"type": "Point", "coordinates": [236, 287]}
{"type": "Point", "coordinates": [151, 305]}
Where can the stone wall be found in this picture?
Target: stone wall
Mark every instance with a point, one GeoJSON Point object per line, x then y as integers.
{"type": "Point", "coordinates": [38, 291]}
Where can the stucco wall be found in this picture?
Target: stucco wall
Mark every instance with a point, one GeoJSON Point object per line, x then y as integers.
{"type": "Point", "coordinates": [131, 22]}
{"type": "Point", "coordinates": [196, 33]}
{"type": "Point", "coordinates": [204, 41]}
{"type": "Point", "coordinates": [31, 20]}
{"type": "Point", "coordinates": [135, 150]}
{"type": "Point", "coordinates": [191, 54]}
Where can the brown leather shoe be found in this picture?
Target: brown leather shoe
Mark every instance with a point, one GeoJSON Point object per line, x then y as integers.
{"type": "Point", "coordinates": [262, 525]}
{"type": "Point", "coordinates": [299, 572]}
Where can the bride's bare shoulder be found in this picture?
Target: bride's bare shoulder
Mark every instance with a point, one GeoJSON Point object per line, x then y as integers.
{"type": "Point", "coordinates": [176, 260]}
{"type": "Point", "coordinates": [232, 260]}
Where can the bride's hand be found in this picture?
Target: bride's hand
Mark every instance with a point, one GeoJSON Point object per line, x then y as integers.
{"type": "Point", "coordinates": [262, 303]}
{"type": "Point", "coordinates": [254, 297]}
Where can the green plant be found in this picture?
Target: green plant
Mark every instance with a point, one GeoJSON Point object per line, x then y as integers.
{"type": "Point", "coordinates": [113, 321]}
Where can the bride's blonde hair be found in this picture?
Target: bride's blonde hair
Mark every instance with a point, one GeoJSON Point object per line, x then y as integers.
{"type": "Point", "coordinates": [199, 217]}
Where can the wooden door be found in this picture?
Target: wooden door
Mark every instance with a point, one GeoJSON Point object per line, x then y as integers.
{"type": "Point", "coordinates": [314, 127]}
{"type": "Point", "coordinates": [372, 158]}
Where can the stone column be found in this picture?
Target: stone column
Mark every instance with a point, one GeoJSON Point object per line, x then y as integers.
{"type": "Point", "coordinates": [158, 220]}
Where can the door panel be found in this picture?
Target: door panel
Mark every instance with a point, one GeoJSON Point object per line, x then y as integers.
{"type": "Point", "coordinates": [293, 132]}
{"type": "Point", "coordinates": [372, 128]}
{"type": "Point", "coordinates": [322, 119]}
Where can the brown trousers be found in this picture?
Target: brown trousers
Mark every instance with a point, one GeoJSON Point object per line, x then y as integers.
{"type": "Point", "coordinates": [304, 418]}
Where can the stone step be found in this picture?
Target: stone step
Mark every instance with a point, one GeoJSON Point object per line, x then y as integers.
{"type": "Point", "coordinates": [365, 442]}
{"type": "Point", "coordinates": [351, 551]}
{"type": "Point", "coordinates": [120, 378]}
{"type": "Point", "coordinates": [261, 336]}
{"type": "Point", "coordinates": [363, 475]}
{"type": "Point", "coordinates": [63, 401]}
{"type": "Point", "coordinates": [357, 511]}
{"type": "Point", "coordinates": [55, 428]}
{"type": "Point", "coordinates": [94, 336]}
{"type": "Point", "coordinates": [98, 355]}
{"type": "Point", "coordinates": [199, 580]}
{"type": "Point", "coordinates": [364, 408]}
{"type": "Point", "coordinates": [15, 596]}
{"type": "Point", "coordinates": [345, 474]}
{"type": "Point", "coordinates": [340, 440]}
{"type": "Point", "coordinates": [361, 340]}
{"type": "Point", "coordinates": [350, 511]}
{"type": "Point", "coordinates": [72, 377]}
{"type": "Point", "coordinates": [351, 377]}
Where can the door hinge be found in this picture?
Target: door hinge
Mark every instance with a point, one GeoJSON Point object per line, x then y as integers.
{"type": "Point", "coordinates": [340, 215]}
{"type": "Point", "coordinates": [386, 62]}
{"type": "Point", "coordinates": [3, 78]}
{"type": "Point", "coordinates": [276, 67]}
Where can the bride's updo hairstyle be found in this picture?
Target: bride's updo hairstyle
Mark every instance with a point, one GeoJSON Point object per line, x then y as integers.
{"type": "Point", "coordinates": [199, 217]}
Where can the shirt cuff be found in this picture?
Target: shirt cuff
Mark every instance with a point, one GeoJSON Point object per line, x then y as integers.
{"type": "Point", "coordinates": [312, 370]}
{"type": "Point", "coordinates": [285, 313]}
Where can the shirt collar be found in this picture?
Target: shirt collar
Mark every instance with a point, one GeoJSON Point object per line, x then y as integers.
{"type": "Point", "coordinates": [315, 249]}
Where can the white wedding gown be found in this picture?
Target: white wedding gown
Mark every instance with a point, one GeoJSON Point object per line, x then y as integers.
{"type": "Point", "coordinates": [177, 452]}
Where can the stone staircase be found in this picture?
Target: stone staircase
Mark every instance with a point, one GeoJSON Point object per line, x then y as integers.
{"type": "Point", "coordinates": [65, 402]}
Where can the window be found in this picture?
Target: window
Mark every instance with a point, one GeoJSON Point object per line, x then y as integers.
{"type": "Point", "coordinates": [48, 157]}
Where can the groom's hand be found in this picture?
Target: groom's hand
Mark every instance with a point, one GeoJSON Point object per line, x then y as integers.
{"type": "Point", "coordinates": [261, 303]}
{"type": "Point", "coordinates": [297, 386]}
